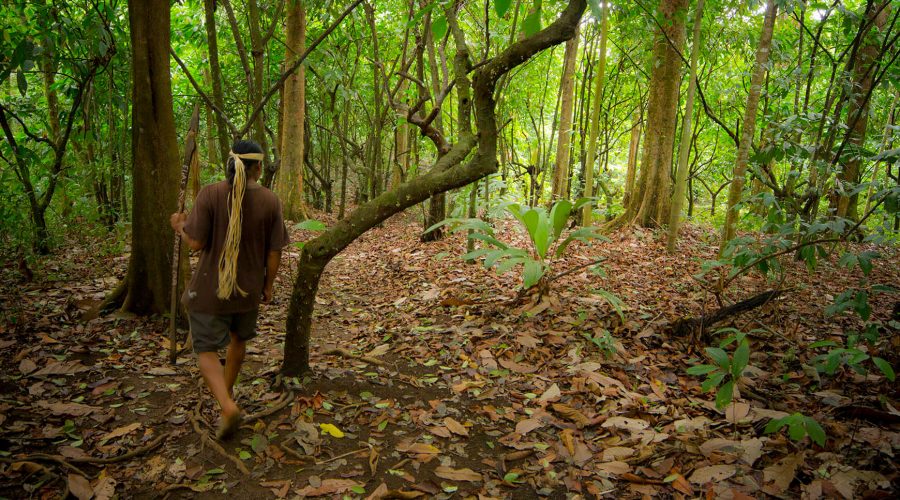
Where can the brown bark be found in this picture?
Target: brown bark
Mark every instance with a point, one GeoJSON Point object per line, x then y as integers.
{"type": "Point", "coordinates": [448, 173]}
{"type": "Point", "coordinates": [289, 185]}
{"type": "Point", "coordinates": [155, 159]}
{"type": "Point", "coordinates": [862, 80]}
{"type": "Point", "coordinates": [633, 148]}
{"type": "Point", "coordinates": [559, 187]}
{"type": "Point", "coordinates": [648, 205]}
{"type": "Point", "coordinates": [749, 125]}
{"type": "Point", "coordinates": [215, 72]}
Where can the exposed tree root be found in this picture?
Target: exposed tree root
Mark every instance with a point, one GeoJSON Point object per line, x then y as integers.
{"type": "Point", "coordinates": [347, 354]}
{"type": "Point", "coordinates": [110, 302]}
{"type": "Point", "coordinates": [43, 457]}
{"type": "Point", "coordinates": [286, 399]}
{"type": "Point", "coordinates": [207, 440]}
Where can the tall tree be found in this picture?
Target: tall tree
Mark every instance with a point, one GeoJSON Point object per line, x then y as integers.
{"type": "Point", "coordinates": [594, 133]}
{"type": "Point", "coordinates": [289, 185]}
{"type": "Point", "coordinates": [215, 73]}
{"type": "Point", "coordinates": [747, 131]}
{"type": "Point", "coordinates": [648, 204]}
{"type": "Point", "coordinates": [155, 169]}
{"type": "Point", "coordinates": [681, 173]}
{"type": "Point", "coordinates": [861, 87]}
{"type": "Point", "coordinates": [560, 184]}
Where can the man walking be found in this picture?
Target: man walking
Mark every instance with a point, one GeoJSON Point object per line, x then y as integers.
{"type": "Point", "coordinates": [238, 227]}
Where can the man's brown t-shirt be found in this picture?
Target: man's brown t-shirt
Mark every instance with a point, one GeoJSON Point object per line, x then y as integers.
{"type": "Point", "coordinates": [262, 231]}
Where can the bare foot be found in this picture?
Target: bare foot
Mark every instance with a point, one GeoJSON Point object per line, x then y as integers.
{"type": "Point", "coordinates": [231, 420]}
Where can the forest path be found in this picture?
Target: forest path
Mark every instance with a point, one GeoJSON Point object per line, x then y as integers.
{"type": "Point", "coordinates": [476, 396]}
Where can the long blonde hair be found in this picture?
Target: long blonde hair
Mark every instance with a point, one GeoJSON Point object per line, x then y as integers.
{"type": "Point", "coordinates": [228, 260]}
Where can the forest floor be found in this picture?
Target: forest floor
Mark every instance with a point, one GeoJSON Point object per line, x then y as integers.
{"type": "Point", "coordinates": [472, 394]}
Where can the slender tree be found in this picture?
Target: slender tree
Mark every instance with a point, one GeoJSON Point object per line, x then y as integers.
{"type": "Point", "coordinates": [743, 153]}
{"type": "Point", "coordinates": [560, 183]}
{"type": "Point", "coordinates": [681, 175]}
{"type": "Point", "coordinates": [594, 133]}
{"type": "Point", "coordinates": [289, 185]}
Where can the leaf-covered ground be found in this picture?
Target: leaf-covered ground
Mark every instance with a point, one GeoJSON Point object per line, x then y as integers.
{"type": "Point", "coordinates": [431, 380]}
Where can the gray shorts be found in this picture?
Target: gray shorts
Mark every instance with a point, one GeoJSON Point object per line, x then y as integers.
{"type": "Point", "coordinates": [211, 332]}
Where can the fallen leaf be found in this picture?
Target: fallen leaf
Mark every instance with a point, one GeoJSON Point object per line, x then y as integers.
{"type": "Point", "coordinates": [551, 394]}
{"type": "Point", "coordinates": [629, 424]}
{"type": "Point", "coordinates": [457, 474]}
{"type": "Point", "coordinates": [327, 487]}
{"type": "Point", "coordinates": [121, 431]}
{"type": "Point", "coordinates": [778, 476]}
{"type": "Point", "coordinates": [713, 473]}
{"type": "Point", "coordinates": [61, 368]}
{"type": "Point", "coordinates": [529, 424]}
{"type": "Point", "coordinates": [80, 487]}
{"type": "Point", "coordinates": [617, 453]}
{"type": "Point", "coordinates": [105, 489]}
{"type": "Point", "coordinates": [615, 467]}
{"type": "Point", "coordinates": [73, 409]}
{"type": "Point", "coordinates": [571, 414]}
{"type": "Point", "coordinates": [27, 366]}
{"type": "Point", "coordinates": [162, 371]}
{"type": "Point", "coordinates": [456, 427]}
{"type": "Point", "coordinates": [418, 449]}
{"type": "Point", "coordinates": [380, 350]}
{"type": "Point", "coordinates": [278, 488]}
{"type": "Point", "coordinates": [735, 413]}
{"type": "Point", "coordinates": [747, 450]}
{"type": "Point", "coordinates": [331, 430]}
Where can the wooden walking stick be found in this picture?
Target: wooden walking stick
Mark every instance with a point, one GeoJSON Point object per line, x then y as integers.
{"type": "Point", "coordinates": [190, 161]}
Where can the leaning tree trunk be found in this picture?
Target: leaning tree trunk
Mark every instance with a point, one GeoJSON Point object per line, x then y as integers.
{"type": "Point", "coordinates": [289, 185]}
{"type": "Point", "coordinates": [449, 172]}
{"type": "Point", "coordinates": [155, 159]}
{"type": "Point", "coordinates": [684, 148]}
{"type": "Point", "coordinates": [747, 131]}
{"type": "Point", "coordinates": [437, 205]}
{"type": "Point", "coordinates": [648, 204]}
{"type": "Point", "coordinates": [560, 183]}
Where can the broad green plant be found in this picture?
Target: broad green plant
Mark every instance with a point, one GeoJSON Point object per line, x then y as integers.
{"type": "Point", "coordinates": [799, 426]}
{"type": "Point", "coordinates": [727, 370]}
{"type": "Point", "coordinates": [545, 236]}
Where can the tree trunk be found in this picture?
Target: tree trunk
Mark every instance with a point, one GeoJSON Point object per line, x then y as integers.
{"type": "Point", "coordinates": [684, 148]}
{"type": "Point", "coordinates": [155, 159]}
{"type": "Point", "coordinates": [649, 202]}
{"type": "Point", "coordinates": [633, 148]}
{"type": "Point", "coordinates": [559, 188]}
{"type": "Point", "coordinates": [289, 185]}
{"type": "Point", "coordinates": [749, 125]}
{"type": "Point", "coordinates": [595, 120]}
{"type": "Point", "coordinates": [448, 173]}
{"type": "Point", "coordinates": [258, 51]}
{"type": "Point", "coordinates": [858, 115]}
{"type": "Point", "coordinates": [216, 76]}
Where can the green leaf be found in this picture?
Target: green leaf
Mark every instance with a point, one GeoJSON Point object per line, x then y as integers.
{"type": "Point", "coordinates": [311, 225]}
{"type": "Point", "coordinates": [715, 378]}
{"type": "Point", "coordinates": [532, 22]}
{"type": "Point", "coordinates": [439, 27]}
{"type": "Point", "coordinates": [719, 356]}
{"type": "Point", "coordinates": [532, 274]}
{"type": "Point", "coordinates": [885, 368]}
{"type": "Point", "coordinates": [244, 455]}
{"type": "Point", "coordinates": [723, 396]}
{"type": "Point", "coordinates": [796, 430]}
{"type": "Point", "coordinates": [822, 343]}
{"type": "Point", "coordinates": [701, 369]}
{"type": "Point", "coordinates": [775, 425]}
{"type": "Point", "coordinates": [815, 431]}
{"type": "Point", "coordinates": [359, 490]}
{"type": "Point", "coordinates": [614, 301]}
{"type": "Point", "coordinates": [501, 7]}
{"type": "Point", "coordinates": [559, 214]}
{"type": "Point", "coordinates": [741, 358]}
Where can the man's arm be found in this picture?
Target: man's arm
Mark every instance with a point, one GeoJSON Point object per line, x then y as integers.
{"type": "Point", "coordinates": [273, 260]}
{"type": "Point", "coordinates": [177, 221]}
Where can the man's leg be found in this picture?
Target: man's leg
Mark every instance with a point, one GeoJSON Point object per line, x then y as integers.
{"type": "Point", "coordinates": [213, 374]}
{"type": "Point", "coordinates": [234, 357]}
